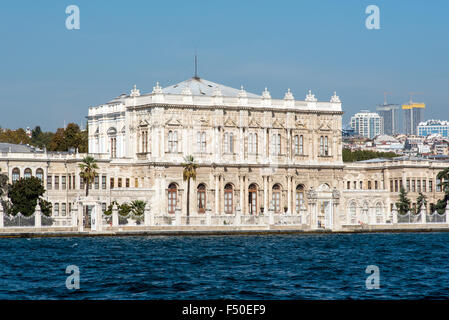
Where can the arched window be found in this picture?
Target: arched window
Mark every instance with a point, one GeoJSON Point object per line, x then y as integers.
{"type": "Point", "coordinates": [201, 198]}
{"type": "Point", "coordinates": [172, 197]}
{"type": "Point", "coordinates": [40, 174]}
{"type": "Point", "coordinates": [276, 198]}
{"type": "Point", "coordinates": [326, 146]}
{"type": "Point", "coordinates": [144, 137]}
{"type": "Point", "coordinates": [379, 212]}
{"type": "Point", "coordinates": [27, 173]}
{"type": "Point", "coordinates": [112, 132]}
{"type": "Point", "coordinates": [228, 199]}
{"type": "Point", "coordinates": [299, 198]}
{"type": "Point", "coordinates": [173, 141]}
{"type": "Point", "coordinates": [15, 174]}
{"type": "Point", "coordinates": [252, 199]}
{"type": "Point", "coordinates": [353, 213]}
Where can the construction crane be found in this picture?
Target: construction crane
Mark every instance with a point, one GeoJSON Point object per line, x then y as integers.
{"type": "Point", "coordinates": [385, 97]}
{"type": "Point", "coordinates": [412, 94]}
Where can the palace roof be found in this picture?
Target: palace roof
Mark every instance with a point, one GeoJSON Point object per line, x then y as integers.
{"type": "Point", "coordinates": [202, 87]}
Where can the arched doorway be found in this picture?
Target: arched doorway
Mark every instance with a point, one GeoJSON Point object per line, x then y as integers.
{"type": "Point", "coordinates": [252, 199]}
{"type": "Point", "coordinates": [201, 198]}
{"type": "Point", "coordinates": [299, 197]}
{"type": "Point", "coordinates": [276, 198]}
{"type": "Point", "coordinates": [228, 199]}
{"type": "Point", "coordinates": [172, 197]}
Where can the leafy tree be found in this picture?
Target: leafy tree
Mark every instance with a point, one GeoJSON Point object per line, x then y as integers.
{"type": "Point", "coordinates": [70, 137]}
{"type": "Point", "coordinates": [40, 139]}
{"type": "Point", "coordinates": [189, 172]}
{"type": "Point", "coordinates": [124, 209]}
{"type": "Point", "coordinates": [18, 136]}
{"type": "Point", "coordinates": [46, 207]}
{"type": "Point", "coordinates": [440, 206]}
{"type": "Point", "coordinates": [421, 201]}
{"type": "Point", "coordinates": [88, 173]}
{"type": "Point", "coordinates": [403, 204]}
{"type": "Point", "coordinates": [360, 155]}
{"type": "Point", "coordinates": [24, 194]}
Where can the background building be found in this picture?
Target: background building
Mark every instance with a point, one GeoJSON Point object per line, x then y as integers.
{"type": "Point", "coordinates": [390, 118]}
{"type": "Point", "coordinates": [433, 127]}
{"type": "Point", "coordinates": [367, 124]}
{"type": "Point", "coordinates": [413, 115]}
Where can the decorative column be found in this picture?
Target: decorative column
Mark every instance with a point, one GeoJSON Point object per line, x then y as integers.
{"type": "Point", "coordinates": [265, 194]}
{"type": "Point", "coordinates": [147, 215]}
{"type": "Point", "coordinates": [74, 215]}
{"type": "Point", "coordinates": [37, 217]}
{"type": "Point", "coordinates": [217, 194]}
{"type": "Point", "coordinates": [394, 213]}
{"type": "Point", "coordinates": [238, 219]}
{"type": "Point", "coordinates": [289, 194]}
{"type": "Point", "coordinates": [115, 216]}
{"type": "Point", "coordinates": [208, 214]}
{"type": "Point", "coordinates": [244, 204]}
{"type": "Point", "coordinates": [242, 187]}
{"type": "Point", "coordinates": [80, 216]}
{"type": "Point", "coordinates": [423, 213]}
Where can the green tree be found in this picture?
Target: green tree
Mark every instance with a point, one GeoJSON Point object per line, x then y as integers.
{"type": "Point", "coordinates": [24, 194]}
{"type": "Point", "coordinates": [403, 204]}
{"type": "Point", "coordinates": [189, 172]}
{"type": "Point", "coordinates": [88, 173]}
{"type": "Point", "coordinates": [18, 136]}
{"type": "Point", "coordinates": [421, 201]}
{"type": "Point", "coordinates": [360, 155]}
{"type": "Point", "coordinates": [70, 137]}
{"type": "Point", "coordinates": [138, 207]}
{"type": "Point", "coordinates": [441, 204]}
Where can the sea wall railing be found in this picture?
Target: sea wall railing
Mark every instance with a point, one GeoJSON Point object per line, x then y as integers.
{"type": "Point", "coordinates": [421, 216]}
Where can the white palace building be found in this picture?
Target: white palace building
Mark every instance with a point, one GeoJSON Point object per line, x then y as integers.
{"type": "Point", "coordinates": [261, 161]}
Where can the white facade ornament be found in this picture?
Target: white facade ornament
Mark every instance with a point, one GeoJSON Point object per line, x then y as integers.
{"type": "Point", "coordinates": [157, 88]}
{"type": "Point", "coordinates": [311, 97]}
{"type": "Point", "coordinates": [242, 93]}
{"type": "Point", "coordinates": [266, 94]}
{"type": "Point", "coordinates": [217, 92]}
{"type": "Point", "coordinates": [135, 92]}
{"type": "Point", "coordinates": [335, 98]}
{"type": "Point", "coordinates": [289, 95]}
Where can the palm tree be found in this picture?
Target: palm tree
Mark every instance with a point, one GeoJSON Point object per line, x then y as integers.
{"type": "Point", "coordinates": [88, 173]}
{"type": "Point", "coordinates": [189, 172]}
{"type": "Point", "coordinates": [444, 179]}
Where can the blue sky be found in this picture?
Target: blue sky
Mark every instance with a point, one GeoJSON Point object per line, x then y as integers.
{"type": "Point", "coordinates": [49, 74]}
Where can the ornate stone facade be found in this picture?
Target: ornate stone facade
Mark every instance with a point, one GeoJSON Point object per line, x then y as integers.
{"type": "Point", "coordinates": [257, 156]}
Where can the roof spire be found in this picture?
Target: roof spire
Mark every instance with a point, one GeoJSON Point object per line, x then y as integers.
{"type": "Point", "coordinates": [196, 66]}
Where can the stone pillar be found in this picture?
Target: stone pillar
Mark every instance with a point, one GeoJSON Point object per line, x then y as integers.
{"type": "Point", "coordinates": [271, 216]}
{"type": "Point", "coordinates": [80, 216]}
{"type": "Point", "coordinates": [74, 215]}
{"type": "Point", "coordinates": [422, 211]}
{"type": "Point", "coordinates": [242, 188]}
{"type": "Point", "coordinates": [115, 216]}
{"type": "Point", "coordinates": [217, 195]}
{"type": "Point", "coordinates": [245, 204]}
{"type": "Point", "coordinates": [147, 215]}
{"type": "Point", "coordinates": [394, 214]}
{"type": "Point", "coordinates": [178, 216]}
{"type": "Point", "coordinates": [265, 194]}
{"type": "Point", "coordinates": [289, 194]}
{"type": "Point", "coordinates": [37, 217]}
{"type": "Point", "coordinates": [446, 212]}
{"type": "Point", "coordinates": [238, 216]}
{"type": "Point", "coordinates": [99, 215]}
{"type": "Point", "coordinates": [208, 214]}
{"type": "Point", "coordinates": [1, 216]}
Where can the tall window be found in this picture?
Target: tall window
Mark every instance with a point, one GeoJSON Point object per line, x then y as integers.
{"type": "Point", "coordinates": [353, 213]}
{"type": "Point", "coordinates": [103, 182]}
{"type": "Point", "coordinates": [252, 143]}
{"type": "Point", "coordinates": [63, 209]}
{"type": "Point", "coordinates": [173, 141]}
{"type": "Point", "coordinates": [27, 173]}
{"type": "Point", "coordinates": [97, 182]}
{"type": "Point", "coordinates": [430, 186]}
{"type": "Point", "coordinates": [172, 197]}
{"type": "Point", "coordinates": [63, 182]}
{"type": "Point", "coordinates": [301, 144]}
{"type": "Point", "coordinates": [81, 183]}
{"type": "Point", "coordinates": [73, 182]}
{"type": "Point", "coordinates": [229, 143]}
{"type": "Point", "coordinates": [70, 182]}
{"type": "Point", "coordinates": [299, 200]}
{"type": "Point", "coordinates": [49, 182]}
{"type": "Point", "coordinates": [111, 183]}
{"type": "Point", "coordinates": [424, 187]}
{"type": "Point", "coordinates": [379, 213]}
{"type": "Point", "coordinates": [144, 137]}
{"type": "Point", "coordinates": [276, 144]}
{"type": "Point", "coordinates": [56, 209]}
{"type": "Point", "coordinates": [438, 185]}
{"type": "Point", "coordinates": [201, 198]}
{"type": "Point", "coordinates": [276, 198]}
{"type": "Point", "coordinates": [40, 174]}
{"type": "Point", "coordinates": [296, 144]}
{"type": "Point", "coordinates": [252, 199]}
{"type": "Point", "coordinates": [15, 174]}
{"type": "Point", "coordinates": [56, 182]}
{"type": "Point", "coordinates": [201, 141]}
{"type": "Point", "coordinates": [326, 146]}
{"type": "Point", "coordinates": [228, 199]}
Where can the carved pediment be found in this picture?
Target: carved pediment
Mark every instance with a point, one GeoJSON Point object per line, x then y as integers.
{"type": "Point", "coordinates": [325, 126]}
{"type": "Point", "coordinates": [277, 124]}
{"type": "Point", "coordinates": [253, 123]}
{"type": "Point", "coordinates": [173, 122]}
{"type": "Point", "coordinates": [230, 122]}
{"type": "Point", "coordinates": [143, 123]}
{"type": "Point", "coordinates": [300, 125]}
{"type": "Point", "coordinates": [203, 122]}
